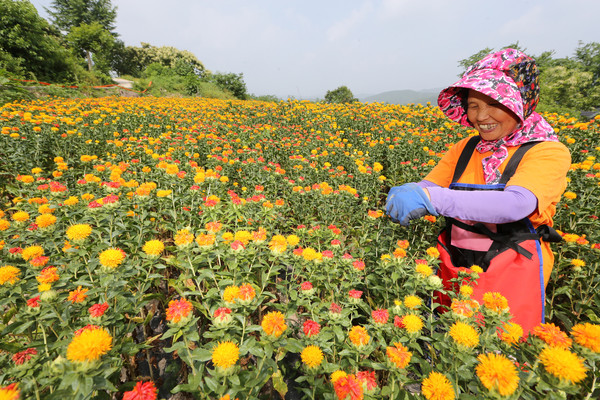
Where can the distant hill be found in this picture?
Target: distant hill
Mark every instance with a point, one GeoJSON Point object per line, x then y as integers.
{"type": "Point", "coordinates": [404, 97]}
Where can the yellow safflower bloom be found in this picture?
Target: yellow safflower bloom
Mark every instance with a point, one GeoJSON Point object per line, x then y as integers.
{"type": "Point", "coordinates": [89, 345]}
{"type": "Point", "coordinates": [225, 355]}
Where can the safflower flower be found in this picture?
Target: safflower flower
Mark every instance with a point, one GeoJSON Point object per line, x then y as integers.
{"type": "Point", "coordinates": [412, 301]}
{"type": "Point", "coordinates": [45, 220]}
{"type": "Point", "coordinates": [213, 226]}
{"type": "Point", "coordinates": [292, 240]}
{"type": "Point", "coordinates": [4, 224]}
{"type": "Point", "coordinates": [563, 364]}
{"type": "Point", "coordinates": [78, 295]}
{"type": "Point", "coordinates": [31, 252]}
{"type": "Point", "coordinates": [464, 308]}
{"type": "Point", "coordinates": [22, 357]}
{"type": "Point", "coordinates": [311, 328]}
{"type": "Point", "coordinates": [278, 244]}
{"type": "Point", "coordinates": [141, 391]}
{"type": "Point", "coordinates": [39, 261]}
{"type": "Point", "coordinates": [48, 275]}
{"type": "Point", "coordinates": [399, 355]}
{"type": "Point", "coordinates": [368, 380]}
{"type": "Point", "coordinates": [552, 335]}
{"type": "Point", "coordinates": [511, 332]}
{"type": "Point", "coordinates": [359, 336]}
{"type": "Point", "coordinates": [183, 238]}
{"type": "Point", "coordinates": [494, 301]}
{"type": "Point", "coordinates": [78, 233]}
{"type": "Point", "coordinates": [432, 252]}
{"type": "Point", "coordinates": [587, 335]}
{"type": "Point", "coordinates": [437, 387]}
{"type": "Point", "coordinates": [312, 356]}
{"type": "Point", "coordinates": [273, 324]}
{"type": "Point", "coordinates": [178, 310]}
{"type": "Point", "coordinates": [10, 392]}
{"type": "Point", "coordinates": [98, 310]}
{"type": "Point", "coordinates": [9, 274]}
{"type": "Point", "coordinates": [423, 270]}
{"type": "Point", "coordinates": [205, 240]}
{"type": "Point", "coordinates": [246, 293]}
{"type": "Point", "coordinates": [464, 334]}
{"type": "Point", "coordinates": [336, 375]}
{"type": "Point", "coordinates": [20, 216]}
{"type": "Point", "coordinates": [231, 293]}
{"type": "Point", "coordinates": [111, 258]}
{"type": "Point", "coordinates": [222, 317]}
{"type": "Point", "coordinates": [380, 316]}
{"type": "Point", "coordinates": [348, 385]}
{"type": "Point", "coordinates": [411, 323]}
{"type": "Point", "coordinates": [89, 345]}
{"type": "Point", "coordinates": [153, 248]}
{"type": "Point", "coordinates": [225, 355]}
{"type": "Point", "coordinates": [497, 373]}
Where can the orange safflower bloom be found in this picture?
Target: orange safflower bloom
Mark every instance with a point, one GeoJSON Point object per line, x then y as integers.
{"type": "Point", "coordinates": [78, 295]}
{"type": "Point", "coordinates": [552, 335]}
{"type": "Point", "coordinates": [178, 310]}
{"type": "Point", "coordinates": [494, 301]}
{"type": "Point", "coordinates": [399, 355]}
{"type": "Point", "coordinates": [246, 292]}
{"type": "Point", "coordinates": [587, 335]}
{"type": "Point", "coordinates": [273, 323]}
{"type": "Point", "coordinates": [359, 336]}
{"type": "Point", "coordinates": [348, 385]}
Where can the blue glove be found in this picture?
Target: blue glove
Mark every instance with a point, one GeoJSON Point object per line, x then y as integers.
{"type": "Point", "coordinates": [408, 202]}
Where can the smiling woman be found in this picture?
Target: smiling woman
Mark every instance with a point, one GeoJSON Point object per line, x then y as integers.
{"type": "Point", "coordinates": [497, 191]}
{"type": "Point", "coordinates": [491, 118]}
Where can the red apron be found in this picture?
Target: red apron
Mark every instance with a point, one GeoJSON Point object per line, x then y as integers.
{"type": "Point", "coordinates": [510, 254]}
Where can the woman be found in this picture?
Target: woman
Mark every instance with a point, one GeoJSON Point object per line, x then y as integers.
{"type": "Point", "coordinates": [498, 190]}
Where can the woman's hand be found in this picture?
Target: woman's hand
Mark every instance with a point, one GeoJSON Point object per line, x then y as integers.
{"type": "Point", "coordinates": [408, 202]}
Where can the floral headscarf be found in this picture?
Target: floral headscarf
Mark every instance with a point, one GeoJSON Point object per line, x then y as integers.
{"type": "Point", "coordinates": [511, 78]}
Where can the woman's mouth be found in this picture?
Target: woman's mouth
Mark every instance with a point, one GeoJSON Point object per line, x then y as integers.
{"type": "Point", "coordinates": [487, 127]}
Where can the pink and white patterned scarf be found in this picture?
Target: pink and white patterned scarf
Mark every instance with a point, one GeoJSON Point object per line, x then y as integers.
{"type": "Point", "coordinates": [535, 129]}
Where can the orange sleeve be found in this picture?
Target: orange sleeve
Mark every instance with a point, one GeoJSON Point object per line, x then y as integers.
{"type": "Point", "coordinates": [543, 171]}
{"type": "Point", "coordinates": [442, 173]}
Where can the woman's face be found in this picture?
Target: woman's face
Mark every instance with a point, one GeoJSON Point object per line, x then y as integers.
{"type": "Point", "coordinates": [492, 120]}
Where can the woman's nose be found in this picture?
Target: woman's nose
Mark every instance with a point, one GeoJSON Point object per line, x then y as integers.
{"type": "Point", "coordinates": [482, 113]}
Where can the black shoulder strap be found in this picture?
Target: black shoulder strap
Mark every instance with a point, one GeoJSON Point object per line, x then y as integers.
{"type": "Point", "coordinates": [464, 158]}
{"type": "Point", "coordinates": [514, 161]}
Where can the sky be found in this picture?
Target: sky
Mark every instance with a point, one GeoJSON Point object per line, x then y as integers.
{"type": "Point", "coordinates": [302, 49]}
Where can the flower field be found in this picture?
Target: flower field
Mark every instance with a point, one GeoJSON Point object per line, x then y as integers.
{"type": "Point", "coordinates": [194, 248]}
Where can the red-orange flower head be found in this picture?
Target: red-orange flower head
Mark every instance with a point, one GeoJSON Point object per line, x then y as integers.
{"type": "Point", "coordinates": [141, 391]}
{"type": "Point", "coordinates": [348, 385]}
{"type": "Point", "coordinates": [380, 316]}
{"type": "Point", "coordinates": [222, 317]}
{"type": "Point", "coordinates": [179, 311]}
{"type": "Point", "coordinates": [311, 328]}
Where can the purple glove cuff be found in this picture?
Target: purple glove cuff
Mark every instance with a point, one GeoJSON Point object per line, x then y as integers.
{"type": "Point", "coordinates": [498, 207]}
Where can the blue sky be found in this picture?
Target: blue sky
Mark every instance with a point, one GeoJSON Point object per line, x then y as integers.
{"type": "Point", "coordinates": [302, 49]}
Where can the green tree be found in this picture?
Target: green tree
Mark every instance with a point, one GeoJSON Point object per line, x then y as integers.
{"type": "Point", "coordinates": [564, 89]}
{"type": "Point", "coordinates": [588, 55]}
{"type": "Point", "coordinates": [29, 46]}
{"type": "Point", "coordinates": [89, 26]}
{"type": "Point", "coordinates": [231, 82]}
{"type": "Point", "coordinates": [67, 14]}
{"type": "Point", "coordinates": [92, 39]}
{"type": "Point", "coordinates": [340, 95]}
{"type": "Point", "coordinates": [168, 56]}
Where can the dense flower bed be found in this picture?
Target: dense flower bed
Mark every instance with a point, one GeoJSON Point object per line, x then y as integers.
{"type": "Point", "coordinates": [227, 249]}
